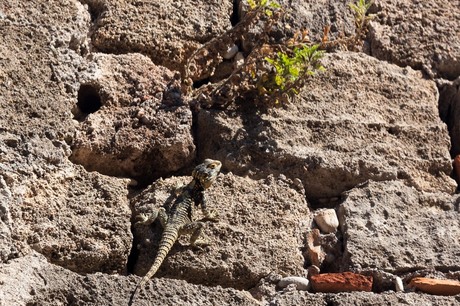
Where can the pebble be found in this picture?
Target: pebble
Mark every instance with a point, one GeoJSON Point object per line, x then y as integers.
{"type": "Point", "coordinates": [327, 221]}
{"type": "Point", "coordinates": [239, 59]}
{"type": "Point", "coordinates": [231, 52]}
{"type": "Point", "coordinates": [398, 284]}
{"type": "Point", "coordinates": [301, 283]}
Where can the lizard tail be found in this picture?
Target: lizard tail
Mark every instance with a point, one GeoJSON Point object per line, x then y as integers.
{"type": "Point", "coordinates": [168, 239]}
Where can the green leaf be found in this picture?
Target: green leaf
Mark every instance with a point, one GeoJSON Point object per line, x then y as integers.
{"type": "Point", "coordinates": [270, 60]}
{"type": "Point", "coordinates": [294, 72]}
{"type": "Point", "coordinates": [274, 5]}
{"type": "Point", "coordinates": [279, 80]}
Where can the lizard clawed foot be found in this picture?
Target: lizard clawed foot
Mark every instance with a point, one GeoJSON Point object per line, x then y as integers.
{"type": "Point", "coordinates": [200, 243]}
{"type": "Point", "coordinates": [146, 218]}
{"type": "Point", "coordinates": [211, 215]}
{"type": "Point", "coordinates": [143, 219]}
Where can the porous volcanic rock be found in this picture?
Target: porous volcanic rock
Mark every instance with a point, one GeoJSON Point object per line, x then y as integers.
{"type": "Point", "coordinates": [312, 16]}
{"type": "Point", "coordinates": [66, 232]}
{"type": "Point", "coordinates": [77, 219]}
{"type": "Point", "coordinates": [360, 120]}
{"type": "Point", "coordinates": [168, 32]}
{"type": "Point", "coordinates": [394, 227]}
{"type": "Point", "coordinates": [31, 280]}
{"type": "Point", "coordinates": [246, 244]}
{"type": "Point", "coordinates": [420, 34]}
{"type": "Point", "coordinates": [142, 128]}
{"type": "Point", "coordinates": [359, 299]}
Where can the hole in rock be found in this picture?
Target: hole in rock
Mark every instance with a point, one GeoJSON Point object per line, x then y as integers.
{"type": "Point", "coordinates": [234, 17]}
{"type": "Point", "coordinates": [95, 8]}
{"type": "Point", "coordinates": [133, 254]}
{"type": "Point", "coordinates": [199, 83]}
{"type": "Point", "coordinates": [89, 100]}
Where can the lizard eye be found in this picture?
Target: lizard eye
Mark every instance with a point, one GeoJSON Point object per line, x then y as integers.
{"type": "Point", "coordinates": [212, 166]}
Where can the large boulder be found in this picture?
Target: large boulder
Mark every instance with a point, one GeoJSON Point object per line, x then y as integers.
{"type": "Point", "coordinates": [361, 120]}
{"type": "Point", "coordinates": [168, 32]}
{"type": "Point", "coordinates": [395, 228]}
{"type": "Point", "coordinates": [133, 121]}
{"type": "Point", "coordinates": [419, 34]}
{"type": "Point", "coordinates": [260, 230]}
{"type": "Point", "coordinates": [31, 280]}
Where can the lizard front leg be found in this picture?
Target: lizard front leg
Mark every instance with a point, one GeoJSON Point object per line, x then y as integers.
{"type": "Point", "coordinates": [210, 215]}
{"type": "Point", "coordinates": [148, 218]}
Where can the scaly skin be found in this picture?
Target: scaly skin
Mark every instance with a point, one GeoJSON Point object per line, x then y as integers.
{"type": "Point", "coordinates": [179, 221]}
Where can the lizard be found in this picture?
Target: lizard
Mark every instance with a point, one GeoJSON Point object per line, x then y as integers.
{"type": "Point", "coordinates": [179, 220]}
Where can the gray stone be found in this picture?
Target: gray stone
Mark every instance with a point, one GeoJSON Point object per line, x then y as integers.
{"type": "Point", "coordinates": [31, 280]}
{"type": "Point", "coordinates": [393, 227]}
{"type": "Point", "coordinates": [301, 283]}
{"type": "Point", "coordinates": [399, 287]}
{"type": "Point", "coordinates": [418, 34]}
{"type": "Point", "coordinates": [231, 52]}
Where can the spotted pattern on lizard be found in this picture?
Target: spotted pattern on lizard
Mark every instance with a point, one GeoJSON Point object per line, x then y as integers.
{"type": "Point", "coordinates": [179, 220]}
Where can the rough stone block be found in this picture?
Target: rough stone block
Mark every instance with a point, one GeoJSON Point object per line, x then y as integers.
{"type": "Point", "coordinates": [142, 129]}
{"type": "Point", "coordinates": [393, 227]}
{"type": "Point", "coordinates": [418, 34]}
{"type": "Point", "coordinates": [334, 135]}
{"type": "Point", "coordinates": [246, 244]}
{"type": "Point", "coordinates": [175, 29]}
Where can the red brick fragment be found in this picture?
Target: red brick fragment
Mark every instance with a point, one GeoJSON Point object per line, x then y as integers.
{"type": "Point", "coordinates": [436, 286]}
{"type": "Point", "coordinates": [341, 282]}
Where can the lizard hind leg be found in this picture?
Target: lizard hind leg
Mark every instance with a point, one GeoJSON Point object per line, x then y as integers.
{"type": "Point", "coordinates": [196, 231]}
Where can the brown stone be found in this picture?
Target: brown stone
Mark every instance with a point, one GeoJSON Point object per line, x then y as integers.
{"type": "Point", "coordinates": [315, 252]}
{"type": "Point", "coordinates": [457, 166]}
{"type": "Point", "coordinates": [436, 286]}
{"type": "Point", "coordinates": [341, 282]}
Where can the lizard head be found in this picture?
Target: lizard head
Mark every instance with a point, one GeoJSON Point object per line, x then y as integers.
{"type": "Point", "coordinates": [207, 172]}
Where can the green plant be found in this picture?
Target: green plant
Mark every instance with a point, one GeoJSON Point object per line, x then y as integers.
{"type": "Point", "coordinates": [267, 5]}
{"type": "Point", "coordinates": [272, 72]}
{"type": "Point", "coordinates": [361, 18]}
{"type": "Point", "coordinates": [290, 68]}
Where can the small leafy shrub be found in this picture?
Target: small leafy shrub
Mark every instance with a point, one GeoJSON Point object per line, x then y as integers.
{"type": "Point", "coordinates": [273, 71]}
{"type": "Point", "coordinates": [289, 72]}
